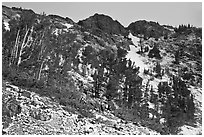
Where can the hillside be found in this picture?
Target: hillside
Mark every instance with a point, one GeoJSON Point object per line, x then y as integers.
{"type": "Point", "coordinates": [98, 77]}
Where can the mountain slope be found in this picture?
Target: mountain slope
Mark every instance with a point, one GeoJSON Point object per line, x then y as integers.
{"type": "Point", "coordinates": [95, 72]}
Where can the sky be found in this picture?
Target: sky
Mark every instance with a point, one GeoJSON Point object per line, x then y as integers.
{"type": "Point", "coordinates": [165, 13]}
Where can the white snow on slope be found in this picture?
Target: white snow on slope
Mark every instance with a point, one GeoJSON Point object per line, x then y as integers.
{"type": "Point", "coordinates": [68, 25]}
{"type": "Point", "coordinates": [134, 57]}
{"type": "Point", "coordinates": [135, 40]}
{"type": "Point", "coordinates": [6, 25]}
{"type": "Point", "coordinates": [57, 31]}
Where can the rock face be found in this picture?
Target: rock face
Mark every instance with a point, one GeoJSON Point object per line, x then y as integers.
{"type": "Point", "coordinates": [104, 23]}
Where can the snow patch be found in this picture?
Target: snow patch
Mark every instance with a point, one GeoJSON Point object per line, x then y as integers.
{"type": "Point", "coordinates": [6, 25]}
{"type": "Point", "coordinates": [57, 32]}
{"type": "Point", "coordinates": [61, 60]}
{"type": "Point", "coordinates": [135, 40]}
{"type": "Point", "coordinates": [151, 105]}
{"type": "Point", "coordinates": [68, 25]}
{"type": "Point", "coordinates": [162, 120]}
{"type": "Point", "coordinates": [134, 57]}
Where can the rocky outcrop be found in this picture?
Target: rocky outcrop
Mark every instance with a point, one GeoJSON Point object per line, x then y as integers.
{"type": "Point", "coordinates": [59, 18]}
{"type": "Point", "coordinates": [147, 29]}
{"type": "Point", "coordinates": [103, 23]}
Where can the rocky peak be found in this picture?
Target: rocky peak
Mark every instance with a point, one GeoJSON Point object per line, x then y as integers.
{"type": "Point", "coordinates": [147, 28]}
{"type": "Point", "coordinates": [104, 23]}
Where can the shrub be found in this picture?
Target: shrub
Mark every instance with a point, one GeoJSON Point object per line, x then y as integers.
{"type": "Point", "coordinates": [38, 83]}
{"type": "Point", "coordinates": [5, 70]}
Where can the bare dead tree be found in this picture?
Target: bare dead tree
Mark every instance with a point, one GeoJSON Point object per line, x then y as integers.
{"type": "Point", "coordinates": [24, 44]}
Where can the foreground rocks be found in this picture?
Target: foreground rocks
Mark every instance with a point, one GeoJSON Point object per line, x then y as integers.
{"type": "Point", "coordinates": [26, 113]}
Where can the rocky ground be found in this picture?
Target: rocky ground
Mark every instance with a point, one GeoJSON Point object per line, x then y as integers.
{"type": "Point", "coordinates": [26, 113]}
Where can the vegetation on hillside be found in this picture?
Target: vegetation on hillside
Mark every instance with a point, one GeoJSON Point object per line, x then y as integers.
{"type": "Point", "coordinates": [77, 68]}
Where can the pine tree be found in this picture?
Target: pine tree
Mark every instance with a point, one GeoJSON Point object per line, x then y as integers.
{"type": "Point", "coordinates": [144, 110]}
{"type": "Point", "coordinates": [177, 57]}
{"type": "Point", "coordinates": [112, 87]}
{"type": "Point", "coordinates": [155, 52]}
{"type": "Point", "coordinates": [190, 107]}
{"type": "Point", "coordinates": [158, 69]}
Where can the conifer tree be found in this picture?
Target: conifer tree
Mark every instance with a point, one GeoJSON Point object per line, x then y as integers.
{"type": "Point", "coordinates": [155, 52]}
{"type": "Point", "coordinates": [190, 108]}
{"type": "Point", "coordinates": [158, 69]}
{"type": "Point", "coordinates": [177, 56]}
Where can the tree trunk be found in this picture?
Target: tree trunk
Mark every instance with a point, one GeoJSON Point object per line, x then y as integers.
{"type": "Point", "coordinates": [125, 93]}
{"type": "Point", "coordinates": [14, 51]}
{"type": "Point", "coordinates": [31, 32]}
{"type": "Point", "coordinates": [41, 46]}
{"type": "Point", "coordinates": [16, 43]}
{"type": "Point", "coordinates": [22, 47]}
{"type": "Point", "coordinates": [39, 74]}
